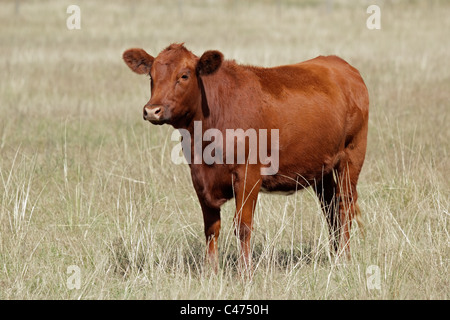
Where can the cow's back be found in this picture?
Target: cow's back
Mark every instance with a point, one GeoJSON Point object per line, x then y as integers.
{"type": "Point", "coordinates": [317, 105]}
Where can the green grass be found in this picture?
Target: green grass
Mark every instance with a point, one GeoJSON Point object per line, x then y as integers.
{"type": "Point", "coordinates": [84, 181]}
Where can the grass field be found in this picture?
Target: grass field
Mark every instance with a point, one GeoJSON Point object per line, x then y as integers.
{"type": "Point", "coordinates": [85, 182]}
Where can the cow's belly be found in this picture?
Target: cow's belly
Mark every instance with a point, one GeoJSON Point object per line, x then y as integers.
{"type": "Point", "coordinates": [284, 193]}
{"type": "Point", "coordinates": [298, 170]}
{"type": "Point", "coordinates": [283, 184]}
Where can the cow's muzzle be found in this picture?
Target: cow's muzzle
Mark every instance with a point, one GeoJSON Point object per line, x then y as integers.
{"type": "Point", "coordinates": [155, 113]}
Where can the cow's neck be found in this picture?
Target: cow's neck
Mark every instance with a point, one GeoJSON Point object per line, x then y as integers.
{"type": "Point", "coordinates": [218, 100]}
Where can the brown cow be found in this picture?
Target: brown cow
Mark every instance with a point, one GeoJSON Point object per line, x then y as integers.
{"type": "Point", "coordinates": [319, 107]}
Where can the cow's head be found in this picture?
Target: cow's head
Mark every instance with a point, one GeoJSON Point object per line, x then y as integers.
{"type": "Point", "coordinates": [175, 86]}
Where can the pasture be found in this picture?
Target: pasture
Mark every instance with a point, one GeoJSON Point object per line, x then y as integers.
{"type": "Point", "coordinates": [87, 185]}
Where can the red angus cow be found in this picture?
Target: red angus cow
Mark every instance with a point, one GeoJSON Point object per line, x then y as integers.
{"type": "Point", "coordinates": [319, 107]}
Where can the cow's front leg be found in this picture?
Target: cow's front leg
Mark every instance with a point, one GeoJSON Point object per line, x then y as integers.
{"type": "Point", "coordinates": [211, 219]}
{"type": "Point", "coordinates": [246, 187]}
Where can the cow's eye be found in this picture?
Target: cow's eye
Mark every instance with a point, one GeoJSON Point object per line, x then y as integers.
{"type": "Point", "coordinates": [184, 77]}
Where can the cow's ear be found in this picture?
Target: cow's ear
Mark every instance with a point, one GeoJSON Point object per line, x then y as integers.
{"type": "Point", "coordinates": [209, 62]}
{"type": "Point", "coordinates": [138, 60]}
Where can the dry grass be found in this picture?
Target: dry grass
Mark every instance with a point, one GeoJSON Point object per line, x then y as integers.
{"type": "Point", "coordinates": [84, 181]}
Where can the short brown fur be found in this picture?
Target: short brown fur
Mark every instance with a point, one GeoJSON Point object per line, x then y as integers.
{"type": "Point", "coordinates": [319, 106]}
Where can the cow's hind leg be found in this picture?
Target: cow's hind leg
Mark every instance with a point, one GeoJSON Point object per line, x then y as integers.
{"type": "Point", "coordinates": [337, 194]}
{"type": "Point", "coordinates": [326, 192]}
{"type": "Point", "coordinates": [347, 174]}
{"type": "Point", "coordinates": [346, 196]}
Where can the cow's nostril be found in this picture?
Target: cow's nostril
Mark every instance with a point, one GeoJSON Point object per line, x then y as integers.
{"type": "Point", "coordinates": [157, 110]}
{"type": "Point", "coordinates": [145, 112]}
